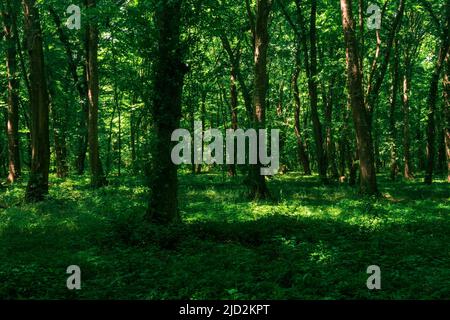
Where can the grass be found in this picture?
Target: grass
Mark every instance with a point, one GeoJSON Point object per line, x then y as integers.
{"type": "Point", "coordinates": [311, 242]}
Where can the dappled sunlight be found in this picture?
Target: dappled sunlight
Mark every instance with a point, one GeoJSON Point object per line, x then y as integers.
{"type": "Point", "coordinates": [308, 241]}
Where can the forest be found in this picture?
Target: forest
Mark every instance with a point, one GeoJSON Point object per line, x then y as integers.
{"type": "Point", "coordinates": [352, 97]}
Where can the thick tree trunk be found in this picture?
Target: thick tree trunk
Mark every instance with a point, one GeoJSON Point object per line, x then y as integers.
{"type": "Point", "coordinates": [258, 187]}
{"type": "Point", "coordinates": [8, 11]}
{"type": "Point", "coordinates": [97, 176]}
{"type": "Point", "coordinates": [168, 81]}
{"type": "Point", "coordinates": [37, 186]}
{"type": "Point", "coordinates": [368, 182]}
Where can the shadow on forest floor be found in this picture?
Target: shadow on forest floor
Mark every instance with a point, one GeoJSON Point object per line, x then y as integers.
{"type": "Point", "coordinates": [313, 242]}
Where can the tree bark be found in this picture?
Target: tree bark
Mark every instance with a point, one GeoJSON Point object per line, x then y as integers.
{"type": "Point", "coordinates": [166, 111]}
{"type": "Point", "coordinates": [97, 176]}
{"type": "Point", "coordinates": [433, 91]}
{"type": "Point", "coordinates": [37, 186]}
{"type": "Point", "coordinates": [8, 11]}
{"type": "Point", "coordinates": [368, 182]}
{"type": "Point", "coordinates": [446, 84]}
{"type": "Point", "coordinates": [258, 187]}
{"type": "Point", "coordinates": [431, 102]}
{"type": "Point", "coordinates": [408, 170]}
{"type": "Point", "coordinates": [312, 85]}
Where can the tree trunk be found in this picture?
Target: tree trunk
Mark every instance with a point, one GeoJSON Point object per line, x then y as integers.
{"type": "Point", "coordinates": [432, 95]}
{"type": "Point", "coordinates": [81, 85]}
{"type": "Point", "coordinates": [97, 176]}
{"type": "Point", "coordinates": [392, 122]}
{"type": "Point", "coordinates": [199, 166]}
{"type": "Point", "coordinates": [368, 182]}
{"type": "Point", "coordinates": [37, 186]}
{"type": "Point", "coordinates": [407, 171]}
{"type": "Point", "coordinates": [109, 149]}
{"type": "Point", "coordinates": [12, 127]}
{"type": "Point", "coordinates": [234, 114]}
{"type": "Point", "coordinates": [377, 74]}
{"type": "Point", "coordinates": [447, 114]}
{"type": "Point", "coordinates": [310, 61]}
{"type": "Point", "coordinates": [59, 129]}
{"type": "Point", "coordinates": [258, 187]}
{"type": "Point", "coordinates": [301, 148]}
{"type": "Point", "coordinates": [329, 142]}
{"type": "Point", "coordinates": [235, 63]}
{"type": "Point", "coordinates": [312, 85]}
{"type": "Point", "coordinates": [431, 102]}
{"type": "Point", "coordinates": [60, 154]}
{"type": "Point", "coordinates": [166, 111]}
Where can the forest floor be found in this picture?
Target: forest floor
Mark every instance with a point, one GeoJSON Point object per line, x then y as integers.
{"type": "Point", "coordinates": [311, 242]}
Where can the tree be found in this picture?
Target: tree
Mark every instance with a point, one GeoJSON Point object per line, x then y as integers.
{"type": "Point", "coordinates": [444, 42]}
{"type": "Point", "coordinates": [8, 12]}
{"type": "Point", "coordinates": [311, 70]}
{"type": "Point", "coordinates": [92, 78]}
{"type": "Point", "coordinates": [392, 120]}
{"type": "Point", "coordinates": [169, 71]}
{"type": "Point", "coordinates": [258, 187]}
{"type": "Point", "coordinates": [81, 87]}
{"type": "Point", "coordinates": [446, 83]}
{"type": "Point", "coordinates": [38, 182]}
{"type": "Point", "coordinates": [368, 182]}
{"type": "Point", "coordinates": [410, 43]}
{"type": "Point", "coordinates": [301, 146]}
